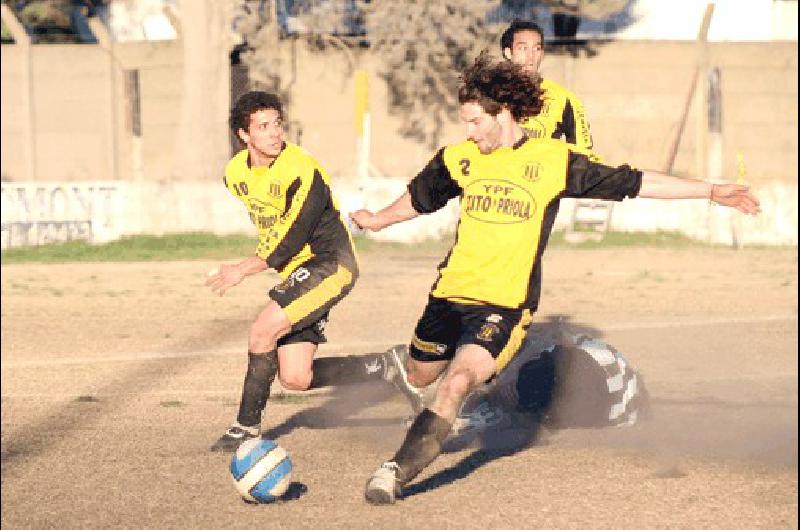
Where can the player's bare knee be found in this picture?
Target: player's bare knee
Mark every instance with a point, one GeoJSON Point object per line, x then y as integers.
{"type": "Point", "coordinates": [261, 341]}
{"type": "Point", "coordinates": [295, 379]}
{"type": "Point", "coordinates": [417, 377]}
{"type": "Point", "coordinates": [457, 385]}
{"type": "Point", "coordinates": [264, 336]}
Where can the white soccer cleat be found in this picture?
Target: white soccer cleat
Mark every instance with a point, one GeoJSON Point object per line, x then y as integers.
{"type": "Point", "coordinates": [395, 360]}
{"type": "Point", "coordinates": [383, 487]}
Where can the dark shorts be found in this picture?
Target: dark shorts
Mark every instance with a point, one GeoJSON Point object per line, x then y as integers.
{"type": "Point", "coordinates": [445, 326]}
{"type": "Point", "coordinates": [308, 295]}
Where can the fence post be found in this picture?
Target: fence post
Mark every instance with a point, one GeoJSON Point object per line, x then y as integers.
{"type": "Point", "coordinates": [106, 43]}
{"type": "Point", "coordinates": [23, 41]}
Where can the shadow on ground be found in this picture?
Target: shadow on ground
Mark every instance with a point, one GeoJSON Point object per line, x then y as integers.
{"type": "Point", "coordinates": [338, 411]}
{"type": "Point", "coordinates": [492, 445]}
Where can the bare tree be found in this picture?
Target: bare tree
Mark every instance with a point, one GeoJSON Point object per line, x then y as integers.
{"type": "Point", "coordinates": [594, 9]}
{"type": "Point", "coordinates": [424, 44]}
{"type": "Point", "coordinates": [265, 52]}
{"type": "Point", "coordinates": [204, 31]}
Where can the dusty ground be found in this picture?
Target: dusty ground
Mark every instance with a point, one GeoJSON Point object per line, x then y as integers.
{"type": "Point", "coordinates": [117, 377]}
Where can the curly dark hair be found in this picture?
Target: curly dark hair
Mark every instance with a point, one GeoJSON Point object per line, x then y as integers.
{"type": "Point", "coordinates": [250, 102]}
{"type": "Point", "coordinates": [507, 39]}
{"type": "Point", "coordinates": [498, 84]}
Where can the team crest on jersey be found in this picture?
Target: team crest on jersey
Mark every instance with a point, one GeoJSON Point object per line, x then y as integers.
{"type": "Point", "coordinates": [275, 189]}
{"type": "Point", "coordinates": [488, 331]}
{"type": "Point", "coordinates": [532, 171]}
{"type": "Point", "coordinates": [545, 108]}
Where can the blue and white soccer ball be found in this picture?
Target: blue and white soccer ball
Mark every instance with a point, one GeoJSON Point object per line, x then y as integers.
{"type": "Point", "coordinates": [261, 470]}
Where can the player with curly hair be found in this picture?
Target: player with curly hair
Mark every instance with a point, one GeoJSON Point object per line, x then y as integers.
{"type": "Point", "coordinates": [481, 304]}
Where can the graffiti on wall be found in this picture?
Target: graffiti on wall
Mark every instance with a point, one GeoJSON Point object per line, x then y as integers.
{"type": "Point", "coordinates": [41, 213]}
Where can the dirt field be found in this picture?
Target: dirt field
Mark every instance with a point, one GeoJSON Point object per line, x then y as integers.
{"type": "Point", "coordinates": [117, 377]}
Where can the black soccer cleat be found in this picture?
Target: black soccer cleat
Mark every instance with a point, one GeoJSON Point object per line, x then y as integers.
{"type": "Point", "coordinates": [233, 437]}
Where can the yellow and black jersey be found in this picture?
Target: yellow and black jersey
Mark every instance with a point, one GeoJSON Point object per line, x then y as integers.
{"type": "Point", "coordinates": [562, 115]}
{"type": "Point", "coordinates": [509, 202]}
{"type": "Point", "coordinates": [291, 205]}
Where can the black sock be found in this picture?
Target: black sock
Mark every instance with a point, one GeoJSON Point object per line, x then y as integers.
{"type": "Point", "coordinates": [261, 371]}
{"type": "Point", "coordinates": [335, 371]}
{"type": "Point", "coordinates": [422, 445]}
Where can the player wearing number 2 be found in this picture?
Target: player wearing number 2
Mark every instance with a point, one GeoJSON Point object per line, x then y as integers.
{"type": "Point", "coordinates": [303, 237]}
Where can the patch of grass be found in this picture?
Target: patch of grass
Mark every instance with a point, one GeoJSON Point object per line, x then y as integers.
{"type": "Point", "coordinates": [175, 247]}
{"type": "Point", "coordinates": [647, 274]}
{"type": "Point", "coordinates": [289, 399]}
{"type": "Point", "coordinates": [173, 403]}
{"type": "Point", "coordinates": [365, 245]}
{"type": "Point", "coordinates": [205, 246]}
{"type": "Point", "coordinates": [86, 399]}
{"type": "Point", "coordinates": [630, 239]}
{"type": "Point", "coordinates": [668, 472]}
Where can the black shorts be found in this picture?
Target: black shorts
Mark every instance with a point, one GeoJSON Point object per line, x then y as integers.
{"type": "Point", "coordinates": [308, 295]}
{"type": "Point", "coordinates": [445, 326]}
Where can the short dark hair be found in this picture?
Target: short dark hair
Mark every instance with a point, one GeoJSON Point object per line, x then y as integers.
{"type": "Point", "coordinates": [495, 85]}
{"type": "Point", "coordinates": [507, 39]}
{"type": "Point", "coordinates": [250, 102]}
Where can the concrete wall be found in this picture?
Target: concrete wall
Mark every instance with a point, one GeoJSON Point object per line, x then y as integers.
{"type": "Point", "coordinates": [36, 213]}
{"type": "Point", "coordinates": [81, 114]}
{"type": "Point", "coordinates": [634, 93]}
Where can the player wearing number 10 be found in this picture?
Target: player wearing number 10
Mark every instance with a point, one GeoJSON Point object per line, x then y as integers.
{"type": "Point", "coordinates": [302, 236]}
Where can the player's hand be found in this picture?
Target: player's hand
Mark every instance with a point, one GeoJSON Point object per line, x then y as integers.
{"type": "Point", "coordinates": [366, 220]}
{"type": "Point", "coordinates": [735, 196]}
{"type": "Point", "coordinates": [223, 278]}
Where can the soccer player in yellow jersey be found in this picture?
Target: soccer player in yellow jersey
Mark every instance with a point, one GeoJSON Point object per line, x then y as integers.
{"type": "Point", "coordinates": [561, 114]}
{"type": "Point", "coordinates": [489, 283]}
{"type": "Point", "coordinates": [302, 236]}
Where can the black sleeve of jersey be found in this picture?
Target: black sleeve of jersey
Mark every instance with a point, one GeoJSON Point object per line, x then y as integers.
{"type": "Point", "coordinates": [305, 223]}
{"type": "Point", "coordinates": [598, 181]}
{"type": "Point", "coordinates": [433, 186]}
{"type": "Point", "coordinates": [568, 123]}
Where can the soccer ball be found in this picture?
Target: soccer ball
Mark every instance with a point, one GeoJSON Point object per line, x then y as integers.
{"type": "Point", "coordinates": [261, 470]}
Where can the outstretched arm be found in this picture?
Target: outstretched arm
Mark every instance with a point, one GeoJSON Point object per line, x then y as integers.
{"type": "Point", "coordinates": [227, 276]}
{"type": "Point", "coordinates": [397, 212]}
{"type": "Point", "coordinates": [657, 185]}
{"type": "Point", "coordinates": [588, 178]}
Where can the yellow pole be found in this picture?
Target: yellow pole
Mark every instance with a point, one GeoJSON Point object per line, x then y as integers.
{"type": "Point", "coordinates": [362, 124]}
{"type": "Point", "coordinates": [741, 170]}
{"type": "Point", "coordinates": [741, 173]}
